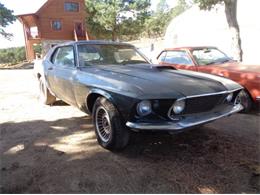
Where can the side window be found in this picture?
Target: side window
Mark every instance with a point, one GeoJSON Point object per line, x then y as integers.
{"type": "Point", "coordinates": [71, 7]}
{"type": "Point", "coordinates": [161, 58]}
{"type": "Point", "coordinates": [64, 56]}
{"type": "Point", "coordinates": [56, 25]}
{"type": "Point", "coordinates": [178, 57]}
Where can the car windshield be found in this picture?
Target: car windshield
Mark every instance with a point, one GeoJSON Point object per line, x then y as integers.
{"type": "Point", "coordinates": [105, 54]}
{"type": "Point", "coordinates": [207, 56]}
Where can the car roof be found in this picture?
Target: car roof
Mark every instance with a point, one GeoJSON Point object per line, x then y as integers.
{"type": "Point", "coordinates": [96, 42]}
{"type": "Point", "coordinates": [189, 48]}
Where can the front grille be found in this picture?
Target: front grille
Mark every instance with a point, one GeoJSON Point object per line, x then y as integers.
{"type": "Point", "coordinates": [203, 103]}
{"type": "Point", "coordinates": [161, 107]}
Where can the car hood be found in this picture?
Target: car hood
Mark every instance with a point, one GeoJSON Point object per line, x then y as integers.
{"type": "Point", "coordinates": [151, 81]}
{"type": "Point", "coordinates": [240, 67]}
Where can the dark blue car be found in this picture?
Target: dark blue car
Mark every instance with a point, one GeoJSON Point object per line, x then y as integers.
{"type": "Point", "coordinates": [123, 91]}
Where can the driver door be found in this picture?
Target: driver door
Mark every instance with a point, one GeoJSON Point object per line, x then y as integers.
{"type": "Point", "coordinates": [61, 74]}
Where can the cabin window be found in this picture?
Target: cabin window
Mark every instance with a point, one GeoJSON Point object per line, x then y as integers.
{"type": "Point", "coordinates": [71, 7]}
{"type": "Point", "coordinates": [177, 57]}
{"type": "Point", "coordinates": [56, 24]}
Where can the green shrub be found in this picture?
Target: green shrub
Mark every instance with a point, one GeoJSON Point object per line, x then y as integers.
{"type": "Point", "coordinates": [12, 55]}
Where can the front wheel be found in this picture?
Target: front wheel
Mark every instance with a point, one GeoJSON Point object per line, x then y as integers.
{"type": "Point", "coordinates": [111, 133]}
{"type": "Point", "coordinates": [246, 101]}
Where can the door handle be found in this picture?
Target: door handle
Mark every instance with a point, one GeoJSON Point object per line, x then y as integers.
{"type": "Point", "coordinates": [50, 68]}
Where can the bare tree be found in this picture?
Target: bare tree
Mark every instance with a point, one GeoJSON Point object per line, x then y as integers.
{"type": "Point", "coordinates": [231, 16]}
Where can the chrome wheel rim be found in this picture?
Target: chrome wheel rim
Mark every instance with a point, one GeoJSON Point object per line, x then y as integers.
{"type": "Point", "coordinates": [103, 124]}
{"type": "Point", "coordinates": [238, 100]}
{"type": "Point", "coordinates": [242, 99]}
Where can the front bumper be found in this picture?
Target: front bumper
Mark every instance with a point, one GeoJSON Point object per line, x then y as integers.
{"type": "Point", "coordinates": [187, 122]}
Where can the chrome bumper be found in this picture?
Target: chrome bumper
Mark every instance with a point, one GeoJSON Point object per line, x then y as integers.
{"type": "Point", "coordinates": [187, 122]}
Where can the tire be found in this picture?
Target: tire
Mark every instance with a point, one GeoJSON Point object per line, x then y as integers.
{"type": "Point", "coordinates": [111, 133]}
{"type": "Point", "coordinates": [246, 101]}
{"type": "Point", "coordinates": [45, 97]}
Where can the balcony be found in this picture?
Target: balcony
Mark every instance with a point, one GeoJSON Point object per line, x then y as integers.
{"type": "Point", "coordinates": [32, 33]}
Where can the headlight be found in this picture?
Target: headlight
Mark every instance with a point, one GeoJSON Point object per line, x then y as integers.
{"type": "Point", "coordinates": [229, 97]}
{"type": "Point", "coordinates": [178, 106]}
{"type": "Point", "coordinates": [144, 108]}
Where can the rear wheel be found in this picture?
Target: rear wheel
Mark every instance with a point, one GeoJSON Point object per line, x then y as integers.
{"type": "Point", "coordinates": [111, 133]}
{"type": "Point", "coordinates": [245, 99]}
{"type": "Point", "coordinates": [45, 96]}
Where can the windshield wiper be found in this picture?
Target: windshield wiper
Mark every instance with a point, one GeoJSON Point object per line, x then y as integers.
{"type": "Point", "coordinates": [219, 62]}
{"type": "Point", "coordinates": [226, 60]}
{"type": "Point", "coordinates": [209, 63]}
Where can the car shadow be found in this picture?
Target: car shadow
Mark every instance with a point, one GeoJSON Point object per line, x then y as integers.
{"type": "Point", "coordinates": [255, 110]}
{"type": "Point", "coordinates": [60, 103]}
{"type": "Point", "coordinates": [62, 156]}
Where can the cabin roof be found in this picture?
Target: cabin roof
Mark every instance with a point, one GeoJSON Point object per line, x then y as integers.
{"type": "Point", "coordinates": [190, 47]}
{"type": "Point", "coordinates": [32, 9]}
{"type": "Point", "coordinates": [94, 42]}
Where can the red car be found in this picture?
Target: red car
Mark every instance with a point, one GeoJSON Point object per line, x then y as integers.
{"type": "Point", "coordinates": [212, 60]}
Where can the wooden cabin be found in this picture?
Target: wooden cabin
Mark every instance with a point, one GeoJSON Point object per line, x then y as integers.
{"type": "Point", "coordinates": [56, 21]}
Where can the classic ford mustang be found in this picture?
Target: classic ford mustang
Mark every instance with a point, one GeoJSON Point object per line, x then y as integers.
{"type": "Point", "coordinates": [122, 90]}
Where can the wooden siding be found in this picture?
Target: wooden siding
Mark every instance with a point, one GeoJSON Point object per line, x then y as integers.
{"type": "Point", "coordinates": [42, 19]}
{"type": "Point", "coordinates": [54, 9]}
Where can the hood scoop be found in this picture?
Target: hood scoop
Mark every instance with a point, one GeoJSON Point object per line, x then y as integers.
{"type": "Point", "coordinates": [164, 67]}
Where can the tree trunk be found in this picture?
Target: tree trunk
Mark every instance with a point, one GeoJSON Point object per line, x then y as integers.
{"type": "Point", "coordinates": [231, 15]}
{"type": "Point", "coordinates": [114, 30]}
{"type": "Point", "coordinates": [114, 35]}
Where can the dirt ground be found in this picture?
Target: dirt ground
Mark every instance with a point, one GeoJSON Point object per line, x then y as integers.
{"type": "Point", "coordinates": [53, 150]}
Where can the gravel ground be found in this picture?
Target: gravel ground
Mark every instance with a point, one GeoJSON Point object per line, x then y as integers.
{"type": "Point", "coordinates": [54, 150]}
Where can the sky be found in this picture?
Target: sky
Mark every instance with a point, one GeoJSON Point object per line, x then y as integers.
{"type": "Point", "coordinates": [28, 6]}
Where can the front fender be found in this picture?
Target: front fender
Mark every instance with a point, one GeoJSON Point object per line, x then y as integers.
{"type": "Point", "coordinates": [92, 96]}
{"type": "Point", "coordinates": [101, 93]}
{"type": "Point", "coordinates": [123, 104]}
